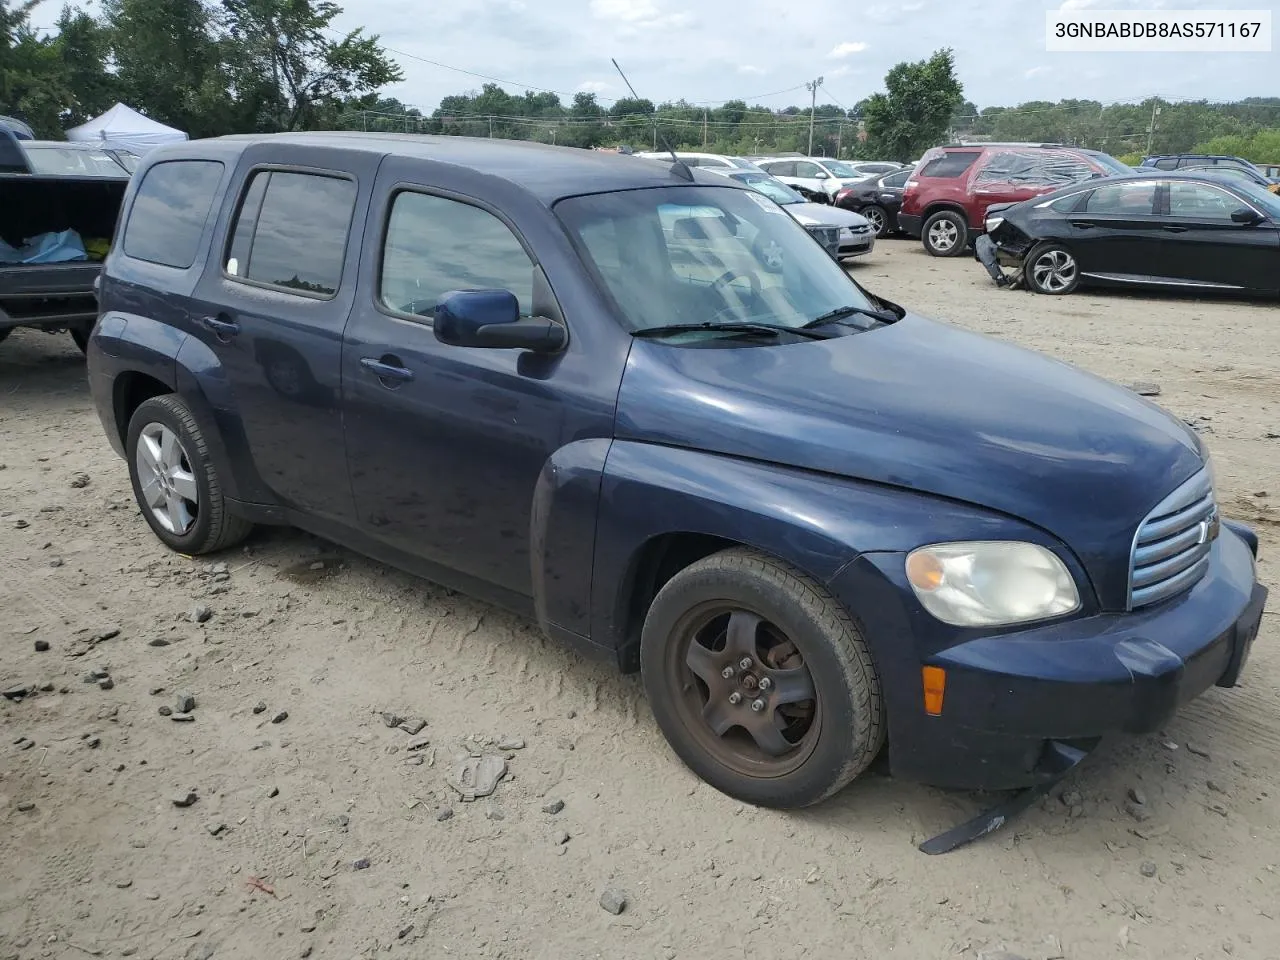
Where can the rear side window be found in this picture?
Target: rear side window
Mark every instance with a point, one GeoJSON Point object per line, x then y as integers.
{"type": "Point", "coordinates": [169, 212]}
{"type": "Point", "coordinates": [1035, 167]}
{"type": "Point", "coordinates": [896, 179]}
{"type": "Point", "coordinates": [291, 231]}
{"type": "Point", "coordinates": [1168, 163]}
{"type": "Point", "coordinates": [784, 168]}
{"type": "Point", "coordinates": [949, 165]}
{"type": "Point", "coordinates": [435, 245]}
{"type": "Point", "coordinates": [1123, 199]}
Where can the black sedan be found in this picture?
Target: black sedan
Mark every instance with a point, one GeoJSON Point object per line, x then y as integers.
{"type": "Point", "coordinates": [1191, 232]}
{"type": "Point", "coordinates": [877, 199]}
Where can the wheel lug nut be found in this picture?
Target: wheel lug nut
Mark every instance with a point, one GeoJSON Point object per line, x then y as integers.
{"type": "Point", "coordinates": [727, 672]}
{"type": "Point", "coordinates": [757, 706]}
{"type": "Point", "coordinates": [735, 698]}
{"type": "Point", "coordinates": [745, 663]}
{"type": "Point", "coordinates": [765, 683]}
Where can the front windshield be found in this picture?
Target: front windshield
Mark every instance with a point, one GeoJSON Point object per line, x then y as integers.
{"type": "Point", "coordinates": [703, 254]}
{"type": "Point", "coordinates": [1109, 162]}
{"type": "Point", "coordinates": [67, 161]}
{"type": "Point", "coordinates": [775, 190]}
{"type": "Point", "coordinates": [838, 169]}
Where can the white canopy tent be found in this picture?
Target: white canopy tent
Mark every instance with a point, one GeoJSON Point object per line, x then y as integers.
{"type": "Point", "coordinates": [126, 129]}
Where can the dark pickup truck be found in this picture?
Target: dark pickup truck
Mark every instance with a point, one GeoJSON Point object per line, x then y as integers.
{"type": "Point", "coordinates": [48, 188]}
{"type": "Point", "coordinates": [571, 383]}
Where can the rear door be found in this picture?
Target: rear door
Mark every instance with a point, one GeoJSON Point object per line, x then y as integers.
{"type": "Point", "coordinates": [272, 306]}
{"type": "Point", "coordinates": [1202, 245]}
{"type": "Point", "coordinates": [1116, 233]}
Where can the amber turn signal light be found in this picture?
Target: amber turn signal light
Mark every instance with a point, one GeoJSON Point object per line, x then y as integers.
{"type": "Point", "coordinates": [935, 685]}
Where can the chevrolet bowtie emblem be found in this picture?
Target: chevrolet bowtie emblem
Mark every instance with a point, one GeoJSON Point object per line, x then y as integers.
{"type": "Point", "coordinates": [1209, 528]}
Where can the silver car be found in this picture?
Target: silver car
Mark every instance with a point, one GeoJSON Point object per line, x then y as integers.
{"type": "Point", "coordinates": [843, 233]}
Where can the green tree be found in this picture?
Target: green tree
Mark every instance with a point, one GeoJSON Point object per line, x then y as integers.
{"type": "Point", "coordinates": [33, 83]}
{"type": "Point", "coordinates": [913, 113]}
{"type": "Point", "coordinates": [83, 47]}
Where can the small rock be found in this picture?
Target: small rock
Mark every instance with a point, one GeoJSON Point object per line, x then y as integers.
{"type": "Point", "coordinates": [16, 693]}
{"type": "Point", "coordinates": [554, 807]}
{"type": "Point", "coordinates": [260, 707]}
{"type": "Point", "coordinates": [562, 837]}
{"type": "Point", "coordinates": [218, 569]}
{"type": "Point", "coordinates": [444, 813]}
{"type": "Point", "coordinates": [392, 719]}
{"type": "Point", "coordinates": [156, 691]}
{"type": "Point", "coordinates": [56, 562]}
{"type": "Point", "coordinates": [273, 792]}
{"type": "Point", "coordinates": [1259, 493]}
{"type": "Point", "coordinates": [166, 711]}
{"type": "Point", "coordinates": [412, 725]}
{"type": "Point", "coordinates": [184, 798]}
{"type": "Point", "coordinates": [93, 743]}
{"type": "Point", "coordinates": [1137, 811]}
{"type": "Point", "coordinates": [1137, 796]}
{"type": "Point", "coordinates": [93, 676]}
{"type": "Point", "coordinates": [1198, 750]}
{"type": "Point", "coordinates": [216, 829]}
{"type": "Point", "coordinates": [1071, 798]}
{"type": "Point", "coordinates": [158, 642]}
{"type": "Point", "coordinates": [404, 932]}
{"type": "Point", "coordinates": [613, 900]}
{"type": "Point", "coordinates": [106, 683]}
{"type": "Point", "coordinates": [184, 703]}
{"type": "Point", "coordinates": [475, 777]}
{"type": "Point", "coordinates": [26, 806]}
{"type": "Point", "coordinates": [1148, 869]}
{"type": "Point", "coordinates": [1145, 389]}
{"type": "Point", "coordinates": [343, 822]}
{"type": "Point", "coordinates": [183, 717]}
{"type": "Point", "coordinates": [1217, 808]}
{"type": "Point", "coordinates": [47, 687]}
{"type": "Point", "coordinates": [21, 524]}
{"type": "Point", "coordinates": [495, 813]}
{"type": "Point", "coordinates": [124, 884]}
{"type": "Point", "coordinates": [362, 864]}
{"type": "Point", "coordinates": [109, 632]}
{"type": "Point", "coordinates": [1215, 786]}
{"type": "Point", "coordinates": [79, 481]}
{"type": "Point", "coordinates": [511, 743]}
{"type": "Point", "coordinates": [306, 952]}
{"type": "Point", "coordinates": [25, 743]}
{"type": "Point", "coordinates": [417, 743]}
{"type": "Point", "coordinates": [280, 717]}
{"type": "Point", "coordinates": [42, 646]}
{"type": "Point", "coordinates": [200, 614]}
{"type": "Point", "coordinates": [1076, 811]}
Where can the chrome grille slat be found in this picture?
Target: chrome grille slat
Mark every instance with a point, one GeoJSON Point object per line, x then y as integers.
{"type": "Point", "coordinates": [1170, 552]}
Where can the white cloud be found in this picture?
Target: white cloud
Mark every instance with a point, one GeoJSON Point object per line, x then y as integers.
{"type": "Point", "coordinates": [839, 71]}
{"type": "Point", "coordinates": [637, 14]}
{"type": "Point", "coordinates": [846, 49]}
{"type": "Point", "coordinates": [751, 68]}
{"type": "Point", "coordinates": [592, 86]}
{"type": "Point", "coordinates": [1036, 71]}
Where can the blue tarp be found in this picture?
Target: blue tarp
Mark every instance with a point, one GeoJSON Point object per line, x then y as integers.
{"type": "Point", "coordinates": [64, 247]}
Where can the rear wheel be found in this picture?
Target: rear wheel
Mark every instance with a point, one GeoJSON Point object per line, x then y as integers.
{"type": "Point", "coordinates": [175, 482]}
{"type": "Point", "coordinates": [945, 234]}
{"type": "Point", "coordinates": [760, 680]}
{"type": "Point", "coordinates": [1051, 269]}
{"type": "Point", "coordinates": [878, 217]}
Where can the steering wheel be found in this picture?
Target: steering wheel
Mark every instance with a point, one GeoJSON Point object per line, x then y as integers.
{"type": "Point", "coordinates": [724, 280]}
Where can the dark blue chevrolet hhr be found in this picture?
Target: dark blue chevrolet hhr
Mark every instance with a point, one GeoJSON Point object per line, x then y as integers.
{"type": "Point", "coordinates": [643, 405]}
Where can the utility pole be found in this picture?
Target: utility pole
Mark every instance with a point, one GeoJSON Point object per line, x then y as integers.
{"type": "Point", "coordinates": [839, 138]}
{"type": "Point", "coordinates": [1151, 130]}
{"type": "Point", "coordinates": [491, 128]}
{"type": "Point", "coordinates": [812, 87]}
{"type": "Point", "coordinates": [704, 128]}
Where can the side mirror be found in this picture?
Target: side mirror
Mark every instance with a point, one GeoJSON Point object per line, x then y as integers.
{"type": "Point", "coordinates": [491, 318]}
{"type": "Point", "coordinates": [1247, 216]}
{"type": "Point", "coordinates": [820, 175]}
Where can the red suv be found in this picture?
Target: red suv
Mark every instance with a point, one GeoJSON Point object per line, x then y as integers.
{"type": "Point", "coordinates": [945, 201]}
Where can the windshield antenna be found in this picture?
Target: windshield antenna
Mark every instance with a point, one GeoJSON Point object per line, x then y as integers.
{"type": "Point", "coordinates": [678, 166]}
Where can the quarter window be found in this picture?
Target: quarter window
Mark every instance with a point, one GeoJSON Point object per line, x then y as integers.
{"type": "Point", "coordinates": [169, 212]}
{"type": "Point", "coordinates": [435, 245]}
{"type": "Point", "coordinates": [291, 231]}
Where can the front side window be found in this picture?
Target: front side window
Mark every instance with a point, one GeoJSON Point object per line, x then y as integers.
{"type": "Point", "coordinates": [1198, 201]}
{"type": "Point", "coordinates": [291, 231]}
{"type": "Point", "coordinates": [807, 170]}
{"type": "Point", "coordinates": [166, 222]}
{"type": "Point", "coordinates": [435, 245]}
{"type": "Point", "coordinates": [672, 255]}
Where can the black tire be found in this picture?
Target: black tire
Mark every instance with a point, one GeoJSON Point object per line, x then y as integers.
{"type": "Point", "coordinates": [213, 526]}
{"type": "Point", "coordinates": [878, 216]}
{"type": "Point", "coordinates": [945, 234]}
{"type": "Point", "coordinates": [81, 337]}
{"type": "Point", "coordinates": [845, 729]}
{"type": "Point", "coordinates": [1051, 269]}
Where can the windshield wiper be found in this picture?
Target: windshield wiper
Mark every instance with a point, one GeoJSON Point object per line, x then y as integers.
{"type": "Point", "coordinates": [757, 329]}
{"type": "Point", "coordinates": [840, 313]}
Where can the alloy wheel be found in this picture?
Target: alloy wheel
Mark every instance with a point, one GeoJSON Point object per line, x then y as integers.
{"type": "Point", "coordinates": [1054, 271]}
{"type": "Point", "coordinates": [167, 481]}
{"type": "Point", "coordinates": [876, 218]}
{"type": "Point", "coordinates": [943, 235]}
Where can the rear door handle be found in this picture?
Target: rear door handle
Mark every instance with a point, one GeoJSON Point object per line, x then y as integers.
{"type": "Point", "coordinates": [225, 329]}
{"type": "Point", "coordinates": [387, 368]}
{"type": "Point", "coordinates": [1081, 225]}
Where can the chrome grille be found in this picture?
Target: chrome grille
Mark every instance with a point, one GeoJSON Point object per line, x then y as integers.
{"type": "Point", "coordinates": [1171, 548]}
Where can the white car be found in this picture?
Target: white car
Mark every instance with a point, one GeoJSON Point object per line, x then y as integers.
{"type": "Point", "coordinates": [707, 161]}
{"type": "Point", "coordinates": [844, 233]}
{"type": "Point", "coordinates": [814, 174]}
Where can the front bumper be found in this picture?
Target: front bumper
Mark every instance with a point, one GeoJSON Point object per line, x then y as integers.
{"type": "Point", "coordinates": [1009, 696]}
{"type": "Point", "coordinates": [856, 244]}
{"type": "Point", "coordinates": [910, 224]}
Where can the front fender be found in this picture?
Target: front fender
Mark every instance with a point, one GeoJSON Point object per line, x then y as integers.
{"type": "Point", "coordinates": [815, 522]}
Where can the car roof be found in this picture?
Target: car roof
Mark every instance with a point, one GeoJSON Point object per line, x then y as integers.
{"type": "Point", "coordinates": [66, 145]}
{"type": "Point", "coordinates": [548, 172]}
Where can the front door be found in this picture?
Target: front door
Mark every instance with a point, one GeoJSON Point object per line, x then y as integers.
{"type": "Point", "coordinates": [446, 444]}
{"type": "Point", "coordinates": [273, 304]}
{"type": "Point", "coordinates": [1204, 246]}
{"type": "Point", "coordinates": [1116, 233]}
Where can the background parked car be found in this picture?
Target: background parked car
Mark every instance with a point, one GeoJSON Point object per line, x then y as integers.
{"type": "Point", "coordinates": [708, 161]}
{"type": "Point", "coordinates": [813, 174]}
{"type": "Point", "coordinates": [945, 200]}
{"type": "Point", "coordinates": [1164, 230]}
{"type": "Point", "coordinates": [1177, 161]}
{"type": "Point", "coordinates": [877, 199]}
{"type": "Point", "coordinates": [845, 234]}
{"type": "Point", "coordinates": [1249, 174]}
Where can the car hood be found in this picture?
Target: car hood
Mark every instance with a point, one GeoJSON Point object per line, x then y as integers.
{"type": "Point", "coordinates": [926, 406]}
{"type": "Point", "coordinates": [826, 215]}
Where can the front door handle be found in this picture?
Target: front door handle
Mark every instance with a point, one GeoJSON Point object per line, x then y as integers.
{"type": "Point", "coordinates": [1081, 225]}
{"type": "Point", "coordinates": [223, 327]}
{"type": "Point", "coordinates": [388, 369]}
{"type": "Point", "coordinates": [1174, 229]}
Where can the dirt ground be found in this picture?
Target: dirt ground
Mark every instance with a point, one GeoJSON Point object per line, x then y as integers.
{"type": "Point", "coordinates": [341, 821]}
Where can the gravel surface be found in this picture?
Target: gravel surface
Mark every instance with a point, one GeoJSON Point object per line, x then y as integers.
{"type": "Point", "coordinates": [329, 836]}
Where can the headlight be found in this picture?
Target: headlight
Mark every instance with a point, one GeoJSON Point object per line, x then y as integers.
{"type": "Point", "coordinates": [991, 583]}
{"type": "Point", "coordinates": [993, 222]}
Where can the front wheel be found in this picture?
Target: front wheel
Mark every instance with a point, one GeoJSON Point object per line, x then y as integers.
{"type": "Point", "coordinates": [1051, 269]}
{"type": "Point", "coordinates": [945, 234]}
{"type": "Point", "coordinates": [175, 482]}
{"type": "Point", "coordinates": [760, 680]}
